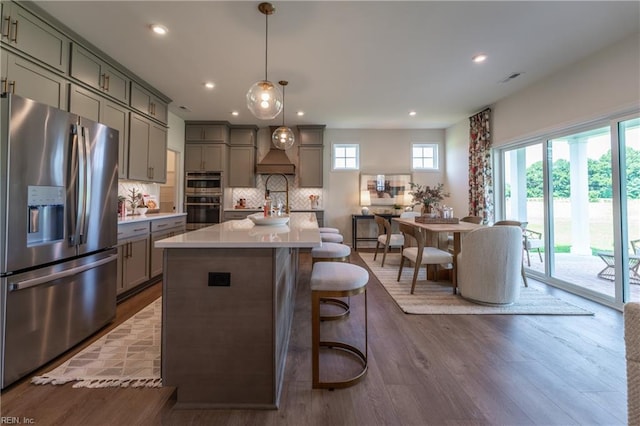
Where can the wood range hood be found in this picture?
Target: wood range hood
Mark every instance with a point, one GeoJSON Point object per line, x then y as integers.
{"type": "Point", "coordinates": [276, 161]}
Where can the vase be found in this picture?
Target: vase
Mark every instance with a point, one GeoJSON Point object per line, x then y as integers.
{"type": "Point", "coordinates": [315, 204]}
{"type": "Point", "coordinates": [426, 209]}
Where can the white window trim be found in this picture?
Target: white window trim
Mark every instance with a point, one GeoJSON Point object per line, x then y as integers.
{"type": "Point", "coordinates": [436, 156]}
{"type": "Point", "coordinates": [345, 145]}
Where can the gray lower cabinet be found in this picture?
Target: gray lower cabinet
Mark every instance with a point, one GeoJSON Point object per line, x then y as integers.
{"type": "Point", "coordinates": [29, 80]}
{"type": "Point", "coordinates": [88, 68]}
{"type": "Point", "coordinates": [33, 36]}
{"type": "Point", "coordinates": [133, 255]}
{"type": "Point", "coordinates": [161, 229]}
{"type": "Point", "coordinates": [147, 150]}
{"type": "Point", "coordinates": [95, 107]}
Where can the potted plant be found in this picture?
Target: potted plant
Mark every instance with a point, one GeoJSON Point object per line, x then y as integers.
{"type": "Point", "coordinates": [427, 196]}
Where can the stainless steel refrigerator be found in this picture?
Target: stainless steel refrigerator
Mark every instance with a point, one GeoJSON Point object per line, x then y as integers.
{"type": "Point", "coordinates": [58, 230]}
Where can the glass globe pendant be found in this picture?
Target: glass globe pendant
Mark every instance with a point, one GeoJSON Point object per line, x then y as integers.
{"type": "Point", "coordinates": [283, 137]}
{"type": "Point", "coordinates": [264, 99]}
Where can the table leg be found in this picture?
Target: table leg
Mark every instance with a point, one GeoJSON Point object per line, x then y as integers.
{"type": "Point", "coordinates": [354, 233]}
{"type": "Point", "coordinates": [456, 250]}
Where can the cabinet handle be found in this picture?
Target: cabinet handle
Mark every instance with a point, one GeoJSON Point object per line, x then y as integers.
{"type": "Point", "coordinates": [6, 20]}
{"type": "Point", "coordinates": [101, 82]}
{"type": "Point", "coordinates": [150, 172]}
{"type": "Point", "coordinates": [15, 34]}
{"type": "Point", "coordinates": [5, 83]}
{"type": "Point", "coordinates": [12, 87]}
{"type": "Point", "coordinates": [106, 82]}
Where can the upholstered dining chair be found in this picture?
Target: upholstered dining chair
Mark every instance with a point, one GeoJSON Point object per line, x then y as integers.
{"type": "Point", "coordinates": [522, 226]}
{"type": "Point", "coordinates": [469, 219]}
{"type": "Point", "coordinates": [489, 263]}
{"type": "Point", "coordinates": [421, 255]}
{"type": "Point", "coordinates": [386, 238]}
{"type": "Point", "coordinates": [409, 215]}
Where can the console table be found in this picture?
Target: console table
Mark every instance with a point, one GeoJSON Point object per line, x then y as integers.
{"type": "Point", "coordinates": [354, 227]}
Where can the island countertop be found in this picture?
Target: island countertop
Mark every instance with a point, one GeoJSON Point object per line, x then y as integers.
{"type": "Point", "coordinates": [301, 231]}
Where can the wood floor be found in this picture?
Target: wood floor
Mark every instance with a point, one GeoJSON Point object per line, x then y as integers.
{"type": "Point", "coordinates": [423, 370]}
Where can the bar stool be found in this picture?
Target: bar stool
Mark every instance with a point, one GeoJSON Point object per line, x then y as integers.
{"type": "Point", "coordinates": [331, 237]}
{"type": "Point", "coordinates": [332, 252]}
{"type": "Point", "coordinates": [327, 230]}
{"type": "Point", "coordinates": [336, 279]}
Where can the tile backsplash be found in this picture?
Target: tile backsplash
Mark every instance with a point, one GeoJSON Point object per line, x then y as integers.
{"type": "Point", "coordinates": [298, 197]}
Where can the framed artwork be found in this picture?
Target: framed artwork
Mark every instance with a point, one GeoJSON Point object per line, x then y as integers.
{"type": "Point", "coordinates": [385, 189]}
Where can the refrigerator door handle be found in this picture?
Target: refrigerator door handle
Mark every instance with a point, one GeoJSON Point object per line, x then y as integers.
{"type": "Point", "coordinates": [21, 285]}
{"type": "Point", "coordinates": [82, 187]}
{"type": "Point", "coordinates": [86, 194]}
{"type": "Point", "coordinates": [74, 213]}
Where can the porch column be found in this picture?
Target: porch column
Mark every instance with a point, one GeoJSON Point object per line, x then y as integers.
{"type": "Point", "coordinates": [580, 238]}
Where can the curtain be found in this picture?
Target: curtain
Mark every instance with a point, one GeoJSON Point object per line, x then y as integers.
{"type": "Point", "coordinates": [480, 173]}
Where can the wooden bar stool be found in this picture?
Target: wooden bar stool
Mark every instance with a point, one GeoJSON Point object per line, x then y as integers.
{"type": "Point", "coordinates": [336, 279]}
{"type": "Point", "coordinates": [332, 252]}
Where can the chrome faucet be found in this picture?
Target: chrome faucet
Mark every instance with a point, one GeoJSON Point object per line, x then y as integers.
{"type": "Point", "coordinates": [286, 191]}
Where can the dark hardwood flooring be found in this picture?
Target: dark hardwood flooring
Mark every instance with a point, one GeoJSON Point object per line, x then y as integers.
{"type": "Point", "coordinates": [423, 370]}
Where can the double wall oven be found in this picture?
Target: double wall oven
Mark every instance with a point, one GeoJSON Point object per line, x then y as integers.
{"type": "Point", "coordinates": [203, 199]}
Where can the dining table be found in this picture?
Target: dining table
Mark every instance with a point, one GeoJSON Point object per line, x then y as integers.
{"type": "Point", "coordinates": [432, 231]}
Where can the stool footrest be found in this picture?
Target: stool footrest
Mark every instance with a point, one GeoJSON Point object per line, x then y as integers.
{"type": "Point", "coordinates": [348, 382]}
{"type": "Point", "coordinates": [337, 302]}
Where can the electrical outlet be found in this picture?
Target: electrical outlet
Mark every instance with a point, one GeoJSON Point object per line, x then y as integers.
{"type": "Point", "coordinates": [219, 279]}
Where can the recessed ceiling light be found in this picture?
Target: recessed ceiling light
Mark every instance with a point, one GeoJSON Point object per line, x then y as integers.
{"type": "Point", "coordinates": [300, 113]}
{"type": "Point", "coordinates": [412, 113]}
{"type": "Point", "coordinates": [235, 113]}
{"type": "Point", "coordinates": [159, 29]}
{"type": "Point", "coordinates": [479, 58]}
{"type": "Point", "coordinates": [209, 85]}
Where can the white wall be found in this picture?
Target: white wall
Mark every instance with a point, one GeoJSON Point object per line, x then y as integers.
{"type": "Point", "coordinates": [603, 84]}
{"type": "Point", "coordinates": [381, 151]}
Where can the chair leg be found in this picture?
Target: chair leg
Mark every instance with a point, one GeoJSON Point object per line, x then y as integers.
{"type": "Point", "coordinates": [376, 253]}
{"type": "Point", "coordinates": [416, 269]}
{"type": "Point", "coordinates": [528, 258]}
{"type": "Point", "coordinates": [400, 270]}
{"type": "Point", "coordinates": [540, 255]}
{"type": "Point", "coordinates": [524, 277]}
{"type": "Point", "coordinates": [384, 255]}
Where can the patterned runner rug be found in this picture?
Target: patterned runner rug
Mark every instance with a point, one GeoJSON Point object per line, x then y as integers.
{"type": "Point", "coordinates": [431, 297]}
{"type": "Point", "coordinates": [129, 355]}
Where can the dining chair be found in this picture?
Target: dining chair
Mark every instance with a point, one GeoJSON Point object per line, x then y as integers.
{"type": "Point", "coordinates": [469, 219]}
{"type": "Point", "coordinates": [532, 241]}
{"type": "Point", "coordinates": [522, 226]}
{"type": "Point", "coordinates": [410, 215]}
{"type": "Point", "coordinates": [386, 237]}
{"type": "Point", "coordinates": [421, 255]}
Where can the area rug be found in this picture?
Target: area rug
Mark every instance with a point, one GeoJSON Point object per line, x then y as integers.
{"type": "Point", "coordinates": [128, 356]}
{"type": "Point", "coordinates": [431, 297]}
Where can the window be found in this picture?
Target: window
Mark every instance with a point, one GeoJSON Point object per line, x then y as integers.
{"type": "Point", "coordinates": [346, 156]}
{"type": "Point", "coordinates": [424, 156]}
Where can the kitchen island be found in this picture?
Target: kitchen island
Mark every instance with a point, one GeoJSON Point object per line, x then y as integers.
{"type": "Point", "coordinates": [228, 301]}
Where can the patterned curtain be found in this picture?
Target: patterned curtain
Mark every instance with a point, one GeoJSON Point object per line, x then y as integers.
{"type": "Point", "coordinates": [480, 174]}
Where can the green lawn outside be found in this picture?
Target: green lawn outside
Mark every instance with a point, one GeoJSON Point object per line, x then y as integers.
{"type": "Point", "coordinates": [600, 222]}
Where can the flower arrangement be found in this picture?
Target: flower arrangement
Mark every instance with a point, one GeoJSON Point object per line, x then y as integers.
{"type": "Point", "coordinates": [135, 199]}
{"type": "Point", "coordinates": [427, 195]}
{"type": "Point", "coordinates": [314, 198]}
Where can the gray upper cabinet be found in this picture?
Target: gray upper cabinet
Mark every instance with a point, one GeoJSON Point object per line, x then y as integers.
{"type": "Point", "coordinates": [202, 132]}
{"type": "Point", "coordinates": [147, 103]}
{"type": "Point", "coordinates": [147, 150]}
{"type": "Point", "coordinates": [311, 152]}
{"type": "Point", "coordinates": [27, 79]}
{"type": "Point", "coordinates": [242, 156]}
{"type": "Point", "coordinates": [91, 70]}
{"type": "Point", "coordinates": [205, 157]}
{"type": "Point", "coordinates": [34, 37]}
{"type": "Point", "coordinates": [93, 106]}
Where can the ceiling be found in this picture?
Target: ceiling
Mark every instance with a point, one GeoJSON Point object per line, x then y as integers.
{"type": "Point", "coordinates": [351, 64]}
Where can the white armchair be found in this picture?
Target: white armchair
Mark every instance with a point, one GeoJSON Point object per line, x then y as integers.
{"type": "Point", "coordinates": [489, 265]}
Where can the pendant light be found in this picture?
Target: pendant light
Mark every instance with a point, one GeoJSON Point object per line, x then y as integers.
{"type": "Point", "coordinates": [264, 99]}
{"type": "Point", "coordinates": [283, 137]}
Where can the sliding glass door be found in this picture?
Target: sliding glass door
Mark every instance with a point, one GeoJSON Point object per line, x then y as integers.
{"type": "Point", "coordinates": [579, 195]}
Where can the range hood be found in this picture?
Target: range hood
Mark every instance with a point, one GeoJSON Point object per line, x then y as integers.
{"type": "Point", "coordinates": [276, 161]}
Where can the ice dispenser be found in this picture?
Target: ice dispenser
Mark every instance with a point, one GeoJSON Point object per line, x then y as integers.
{"type": "Point", "coordinates": [45, 214]}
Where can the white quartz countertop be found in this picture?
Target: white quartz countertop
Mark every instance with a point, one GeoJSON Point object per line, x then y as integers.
{"type": "Point", "coordinates": [301, 231]}
{"type": "Point", "coordinates": [147, 217]}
